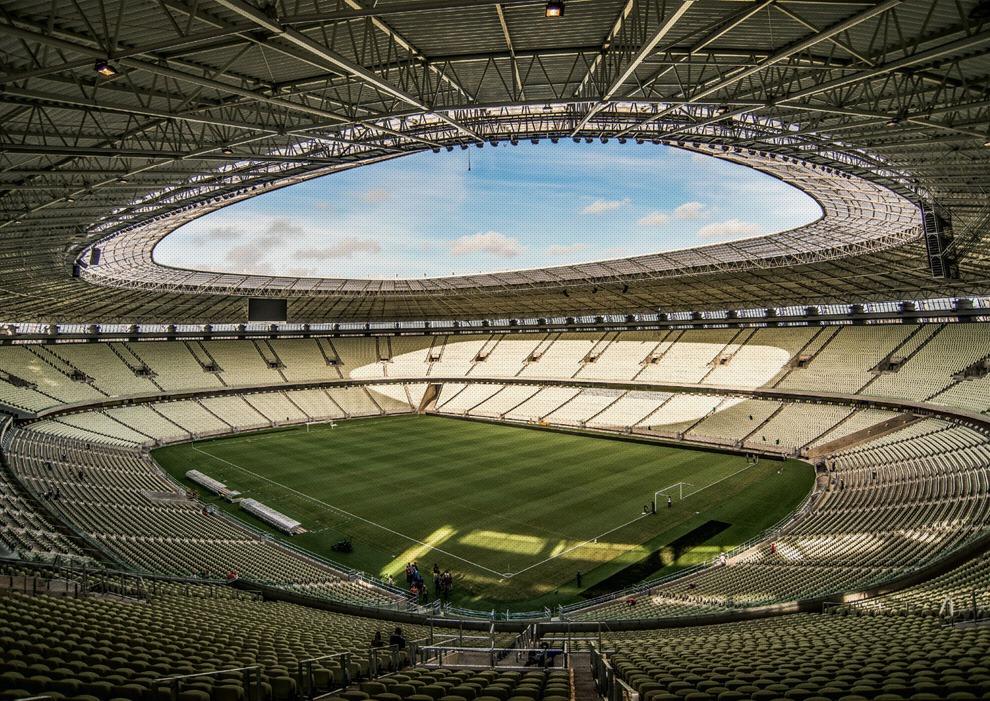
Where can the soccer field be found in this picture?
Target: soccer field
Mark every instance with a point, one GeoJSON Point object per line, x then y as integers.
{"type": "Point", "coordinates": [514, 512]}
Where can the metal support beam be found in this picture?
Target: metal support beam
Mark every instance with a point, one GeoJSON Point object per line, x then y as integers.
{"type": "Point", "coordinates": [512, 52]}
{"type": "Point", "coordinates": [211, 155]}
{"type": "Point", "coordinates": [713, 87]}
{"type": "Point", "coordinates": [165, 71]}
{"type": "Point", "coordinates": [333, 59]}
{"type": "Point", "coordinates": [645, 50]}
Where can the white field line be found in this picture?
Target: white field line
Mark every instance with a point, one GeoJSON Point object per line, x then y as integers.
{"type": "Point", "coordinates": [696, 491]}
{"type": "Point", "coordinates": [348, 514]}
{"type": "Point", "coordinates": [503, 575]}
{"type": "Point", "coordinates": [602, 535]}
{"type": "Point", "coordinates": [575, 547]}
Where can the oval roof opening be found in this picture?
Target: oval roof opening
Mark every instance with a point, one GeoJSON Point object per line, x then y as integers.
{"type": "Point", "coordinates": [492, 209]}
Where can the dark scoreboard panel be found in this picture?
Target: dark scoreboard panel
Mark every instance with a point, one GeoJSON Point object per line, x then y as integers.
{"type": "Point", "coordinates": [267, 309]}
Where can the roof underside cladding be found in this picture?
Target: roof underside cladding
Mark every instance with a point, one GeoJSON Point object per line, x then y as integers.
{"type": "Point", "coordinates": [894, 92]}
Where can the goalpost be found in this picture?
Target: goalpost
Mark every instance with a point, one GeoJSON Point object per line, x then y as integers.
{"type": "Point", "coordinates": [669, 491]}
{"type": "Point", "coordinates": [324, 422]}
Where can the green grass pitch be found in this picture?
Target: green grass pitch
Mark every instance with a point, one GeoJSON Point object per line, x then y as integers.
{"type": "Point", "coordinates": [514, 512]}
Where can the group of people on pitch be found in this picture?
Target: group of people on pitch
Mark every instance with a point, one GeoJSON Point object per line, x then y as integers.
{"type": "Point", "coordinates": [443, 583]}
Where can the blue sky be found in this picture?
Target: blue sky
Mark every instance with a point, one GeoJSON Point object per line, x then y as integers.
{"type": "Point", "coordinates": [518, 207]}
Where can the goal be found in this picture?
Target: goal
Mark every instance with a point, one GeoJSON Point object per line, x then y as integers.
{"type": "Point", "coordinates": [325, 422]}
{"type": "Point", "coordinates": [674, 490]}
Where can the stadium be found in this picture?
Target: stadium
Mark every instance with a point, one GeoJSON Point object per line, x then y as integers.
{"type": "Point", "coordinates": [634, 468]}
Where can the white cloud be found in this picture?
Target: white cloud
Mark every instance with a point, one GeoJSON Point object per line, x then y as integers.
{"type": "Point", "coordinates": [245, 256]}
{"type": "Point", "coordinates": [279, 233]}
{"type": "Point", "coordinates": [224, 233]}
{"type": "Point", "coordinates": [346, 247]}
{"type": "Point", "coordinates": [491, 242]}
{"type": "Point", "coordinates": [375, 195]}
{"type": "Point", "coordinates": [557, 249]}
{"type": "Point", "coordinates": [654, 219]}
{"type": "Point", "coordinates": [601, 206]}
{"type": "Point", "coordinates": [731, 228]}
{"type": "Point", "coordinates": [690, 211]}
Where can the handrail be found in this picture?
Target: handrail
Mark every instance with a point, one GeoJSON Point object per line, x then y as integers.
{"type": "Point", "coordinates": [306, 680]}
{"type": "Point", "coordinates": [972, 608]}
{"type": "Point", "coordinates": [251, 676]}
{"type": "Point", "coordinates": [96, 569]}
{"type": "Point", "coordinates": [494, 656]}
{"type": "Point", "coordinates": [610, 686]}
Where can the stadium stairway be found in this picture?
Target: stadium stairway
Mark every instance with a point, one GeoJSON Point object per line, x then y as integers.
{"type": "Point", "coordinates": [582, 681]}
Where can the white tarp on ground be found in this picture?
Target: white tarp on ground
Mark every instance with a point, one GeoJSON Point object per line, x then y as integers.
{"type": "Point", "coordinates": [270, 515]}
{"type": "Point", "coordinates": [211, 484]}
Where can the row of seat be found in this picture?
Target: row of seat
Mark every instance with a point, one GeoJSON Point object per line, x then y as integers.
{"type": "Point", "coordinates": [444, 684]}
{"type": "Point", "coordinates": [170, 421]}
{"type": "Point", "coordinates": [840, 358]}
{"type": "Point", "coordinates": [110, 646]}
{"type": "Point", "coordinates": [883, 509]}
{"type": "Point", "coordinates": [805, 657]}
{"type": "Point", "coordinates": [127, 505]}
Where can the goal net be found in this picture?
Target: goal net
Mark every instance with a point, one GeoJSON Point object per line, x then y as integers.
{"type": "Point", "coordinates": [669, 493]}
{"type": "Point", "coordinates": [329, 423]}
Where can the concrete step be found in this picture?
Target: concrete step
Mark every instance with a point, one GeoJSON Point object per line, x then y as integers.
{"type": "Point", "coordinates": [582, 682]}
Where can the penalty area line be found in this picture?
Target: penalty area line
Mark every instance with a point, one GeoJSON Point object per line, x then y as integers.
{"type": "Point", "coordinates": [579, 545]}
{"type": "Point", "coordinates": [349, 514]}
{"type": "Point", "coordinates": [602, 535]}
{"type": "Point", "coordinates": [712, 484]}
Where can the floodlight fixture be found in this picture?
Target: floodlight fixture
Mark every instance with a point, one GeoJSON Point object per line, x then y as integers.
{"type": "Point", "coordinates": [554, 9]}
{"type": "Point", "coordinates": [106, 69]}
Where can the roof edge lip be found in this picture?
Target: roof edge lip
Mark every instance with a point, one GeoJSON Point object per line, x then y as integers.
{"type": "Point", "coordinates": [857, 215]}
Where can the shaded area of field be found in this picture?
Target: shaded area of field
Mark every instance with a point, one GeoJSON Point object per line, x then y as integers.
{"type": "Point", "coordinates": [515, 513]}
{"type": "Point", "coordinates": [657, 560]}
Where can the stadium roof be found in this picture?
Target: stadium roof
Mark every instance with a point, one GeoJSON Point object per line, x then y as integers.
{"type": "Point", "coordinates": [120, 120]}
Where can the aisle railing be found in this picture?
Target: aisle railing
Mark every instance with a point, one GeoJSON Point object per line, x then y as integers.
{"type": "Point", "coordinates": [610, 686]}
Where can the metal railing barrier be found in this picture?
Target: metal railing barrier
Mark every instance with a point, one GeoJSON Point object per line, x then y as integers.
{"type": "Point", "coordinates": [306, 677]}
{"type": "Point", "coordinates": [250, 678]}
{"type": "Point", "coordinates": [610, 686]}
